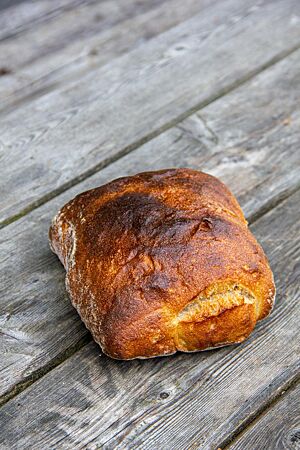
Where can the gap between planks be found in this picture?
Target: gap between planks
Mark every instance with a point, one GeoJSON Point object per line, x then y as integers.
{"type": "Point", "coordinates": [42, 371]}
{"type": "Point", "coordinates": [46, 13]}
{"type": "Point", "coordinates": [269, 415]}
{"type": "Point", "coordinates": [252, 419]}
{"type": "Point", "coordinates": [277, 395]}
{"type": "Point", "coordinates": [135, 145]}
{"type": "Point", "coordinates": [84, 47]}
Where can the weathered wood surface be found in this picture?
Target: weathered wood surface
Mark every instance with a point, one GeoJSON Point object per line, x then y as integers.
{"type": "Point", "coordinates": [7, 3]}
{"type": "Point", "coordinates": [256, 126]}
{"type": "Point", "coordinates": [18, 18]}
{"type": "Point", "coordinates": [277, 429]}
{"type": "Point", "coordinates": [49, 58]}
{"type": "Point", "coordinates": [64, 136]}
{"type": "Point", "coordinates": [38, 324]}
{"type": "Point", "coordinates": [81, 22]}
{"type": "Point", "coordinates": [184, 401]}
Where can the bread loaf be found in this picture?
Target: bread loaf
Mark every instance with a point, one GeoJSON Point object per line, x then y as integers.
{"type": "Point", "coordinates": [162, 261]}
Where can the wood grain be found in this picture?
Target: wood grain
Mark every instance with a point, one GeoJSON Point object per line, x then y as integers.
{"type": "Point", "coordinates": [18, 18]}
{"type": "Point", "coordinates": [7, 3]}
{"type": "Point", "coordinates": [278, 428]}
{"type": "Point", "coordinates": [245, 123]}
{"type": "Point", "coordinates": [55, 52]}
{"type": "Point", "coordinates": [73, 24]}
{"type": "Point", "coordinates": [183, 401]}
{"type": "Point", "coordinates": [64, 136]}
{"type": "Point", "coordinates": [38, 324]}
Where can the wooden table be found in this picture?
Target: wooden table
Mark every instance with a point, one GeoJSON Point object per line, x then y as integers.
{"type": "Point", "coordinates": [93, 90]}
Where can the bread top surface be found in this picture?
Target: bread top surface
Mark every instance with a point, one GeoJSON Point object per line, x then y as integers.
{"type": "Point", "coordinates": [162, 261]}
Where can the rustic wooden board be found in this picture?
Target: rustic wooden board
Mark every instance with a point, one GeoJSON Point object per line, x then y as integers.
{"type": "Point", "coordinates": [80, 22]}
{"type": "Point", "coordinates": [278, 428]}
{"type": "Point", "coordinates": [38, 324]}
{"type": "Point", "coordinates": [58, 55]}
{"type": "Point", "coordinates": [244, 123]}
{"type": "Point", "coordinates": [7, 3]}
{"type": "Point", "coordinates": [184, 401]}
{"type": "Point", "coordinates": [60, 138]}
{"type": "Point", "coordinates": [18, 18]}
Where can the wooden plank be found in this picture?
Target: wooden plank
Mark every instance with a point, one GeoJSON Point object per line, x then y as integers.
{"type": "Point", "coordinates": [54, 53]}
{"type": "Point", "coordinates": [81, 22]}
{"type": "Point", "coordinates": [277, 428]}
{"type": "Point", "coordinates": [7, 3]}
{"type": "Point", "coordinates": [184, 401]}
{"type": "Point", "coordinates": [18, 18]}
{"type": "Point", "coordinates": [60, 138]}
{"type": "Point", "coordinates": [39, 325]}
{"type": "Point", "coordinates": [244, 123]}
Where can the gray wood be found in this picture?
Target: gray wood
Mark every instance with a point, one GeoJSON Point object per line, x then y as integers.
{"type": "Point", "coordinates": [71, 25]}
{"type": "Point", "coordinates": [277, 429]}
{"type": "Point", "coordinates": [7, 3]}
{"type": "Point", "coordinates": [18, 18]}
{"type": "Point", "coordinates": [38, 324]}
{"type": "Point", "coordinates": [66, 135]}
{"type": "Point", "coordinates": [245, 123]}
{"type": "Point", "coordinates": [56, 52]}
{"type": "Point", "coordinates": [183, 401]}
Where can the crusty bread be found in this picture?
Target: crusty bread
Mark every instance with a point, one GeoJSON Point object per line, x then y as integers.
{"type": "Point", "coordinates": [162, 261]}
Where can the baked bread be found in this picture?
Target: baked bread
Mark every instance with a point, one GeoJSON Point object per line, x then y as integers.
{"type": "Point", "coordinates": [162, 261]}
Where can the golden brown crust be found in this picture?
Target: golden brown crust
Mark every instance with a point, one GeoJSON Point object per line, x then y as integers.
{"type": "Point", "coordinates": [162, 261]}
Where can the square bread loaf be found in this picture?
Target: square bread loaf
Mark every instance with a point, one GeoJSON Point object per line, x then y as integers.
{"type": "Point", "coordinates": [162, 262]}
